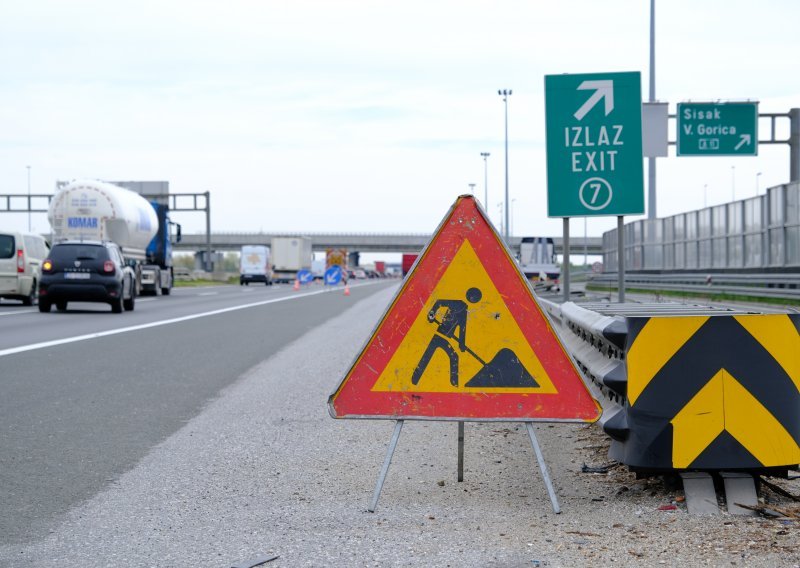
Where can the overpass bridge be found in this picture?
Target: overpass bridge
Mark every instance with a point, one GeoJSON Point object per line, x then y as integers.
{"type": "Point", "coordinates": [359, 242]}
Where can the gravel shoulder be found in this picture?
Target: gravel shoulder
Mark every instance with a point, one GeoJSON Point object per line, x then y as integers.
{"type": "Point", "coordinates": [265, 470]}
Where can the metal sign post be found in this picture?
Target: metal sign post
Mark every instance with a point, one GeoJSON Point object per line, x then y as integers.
{"type": "Point", "coordinates": [620, 260]}
{"type": "Point", "coordinates": [565, 271]}
{"type": "Point", "coordinates": [461, 451]}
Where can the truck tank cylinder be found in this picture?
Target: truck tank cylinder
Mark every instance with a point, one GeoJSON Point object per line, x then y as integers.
{"type": "Point", "coordinates": [92, 209]}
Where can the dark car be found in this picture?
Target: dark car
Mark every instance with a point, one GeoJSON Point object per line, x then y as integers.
{"type": "Point", "coordinates": [86, 271]}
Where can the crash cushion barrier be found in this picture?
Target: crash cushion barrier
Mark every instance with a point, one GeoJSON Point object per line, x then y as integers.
{"type": "Point", "coordinates": [681, 392]}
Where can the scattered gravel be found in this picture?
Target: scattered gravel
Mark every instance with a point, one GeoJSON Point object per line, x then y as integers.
{"type": "Point", "coordinates": [264, 470]}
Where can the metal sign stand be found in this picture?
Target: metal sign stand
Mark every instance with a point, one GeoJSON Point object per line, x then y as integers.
{"type": "Point", "coordinates": [461, 451]}
{"type": "Point", "coordinates": [543, 467]}
{"type": "Point", "coordinates": [385, 469]}
{"type": "Point", "coordinates": [393, 445]}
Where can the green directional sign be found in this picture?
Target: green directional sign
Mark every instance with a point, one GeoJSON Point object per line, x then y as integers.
{"type": "Point", "coordinates": [594, 144]}
{"type": "Point", "coordinates": [717, 129]}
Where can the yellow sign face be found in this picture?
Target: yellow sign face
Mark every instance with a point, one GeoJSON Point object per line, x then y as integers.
{"type": "Point", "coordinates": [465, 338]}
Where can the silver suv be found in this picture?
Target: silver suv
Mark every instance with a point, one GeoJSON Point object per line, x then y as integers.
{"type": "Point", "coordinates": [21, 257]}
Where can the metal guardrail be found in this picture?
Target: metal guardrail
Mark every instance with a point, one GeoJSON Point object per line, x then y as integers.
{"type": "Point", "coordinates": [781, 286]}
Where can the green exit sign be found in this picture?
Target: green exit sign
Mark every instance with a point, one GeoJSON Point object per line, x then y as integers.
{"type": "Point", "coordinates": [717, 129]}
{"type": "Point", "coordinates": [593, 126]}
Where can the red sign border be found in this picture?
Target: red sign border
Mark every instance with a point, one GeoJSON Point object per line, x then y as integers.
{"type": "Point", "coordinates": [466, 220]}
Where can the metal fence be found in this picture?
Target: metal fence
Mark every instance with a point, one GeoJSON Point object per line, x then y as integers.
{"type": "Point", "coordinates": [759, 234]}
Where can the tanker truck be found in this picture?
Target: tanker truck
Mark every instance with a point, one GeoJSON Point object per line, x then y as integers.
{"type": "Point", "coordinates": [100, 211]}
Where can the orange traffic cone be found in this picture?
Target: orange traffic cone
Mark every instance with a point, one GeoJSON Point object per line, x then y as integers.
{"type": "Point", "coordinates": [346, 290]}
{"type": "Point", "coordinates": [296, 284]}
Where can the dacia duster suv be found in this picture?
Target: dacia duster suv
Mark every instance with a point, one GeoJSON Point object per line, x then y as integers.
{"type": "Point", "coordinates": [86, 271]}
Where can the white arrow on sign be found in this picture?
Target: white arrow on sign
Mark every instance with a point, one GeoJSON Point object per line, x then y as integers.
{"type": "Point", "coordinates": [743, 139]}
{"type": "Point", "coordinates": [602, 89]}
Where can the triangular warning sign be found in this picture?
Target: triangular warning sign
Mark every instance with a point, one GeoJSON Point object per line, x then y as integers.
{"type": "Point", "coordinates": [464, 339]}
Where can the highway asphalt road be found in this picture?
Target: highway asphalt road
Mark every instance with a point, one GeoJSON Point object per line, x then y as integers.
{"type": "Point", "coordinates": [85, 394]}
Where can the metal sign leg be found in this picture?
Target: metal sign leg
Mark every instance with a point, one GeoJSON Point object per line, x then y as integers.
{"type": "Point", "coordinates": [461, 451]}
{"type": "Point", "coordinates": [385, 469]}
{"type": "Point", "coordinates": [543, 467]}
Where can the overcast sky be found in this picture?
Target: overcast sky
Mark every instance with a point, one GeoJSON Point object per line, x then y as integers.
{"type": "Point", "coordinates": [365, 116]}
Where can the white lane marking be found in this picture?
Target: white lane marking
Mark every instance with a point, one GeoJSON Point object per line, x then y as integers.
{"type": "Point", "coordinates": [53, 343]}
{"type": "Point", "coordinates": [208, 293]}
{"type": "Point", "coordinates": [18, 312]}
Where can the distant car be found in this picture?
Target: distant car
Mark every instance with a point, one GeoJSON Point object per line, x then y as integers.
{"type": "Point", "coordinates": [21, 256]}
{"type": "Point", "coordinates": [86, 271]}
{"type": "Point", "coordinates": [360, 274]}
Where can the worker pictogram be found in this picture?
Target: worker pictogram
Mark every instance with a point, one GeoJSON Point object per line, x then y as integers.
{"type": "Point", "coordinates": [464, 323]}
{"type": "Point", "coordinates": [504, 370]}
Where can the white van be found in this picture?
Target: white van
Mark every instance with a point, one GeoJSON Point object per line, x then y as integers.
{"type": "Point", "coordinates": [21, 257]}
{"type": "Point", "coordinates": [255, 265]}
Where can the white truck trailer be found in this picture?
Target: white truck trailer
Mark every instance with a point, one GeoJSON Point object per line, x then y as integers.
{"type": "Point", "coordinates": [100, 211]}
{"type": "Point", "coordinates": [290, 255]}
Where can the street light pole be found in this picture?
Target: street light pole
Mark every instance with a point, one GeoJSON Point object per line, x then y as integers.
{"type": "Point", "coordinates": [758, 190]}
{"type": "Point", "coordinates": [651, 161]}
{"type": "Point", "coordinates": [29, 198]}
{"type": "Point", "coordinates": [505, 93]}
{"type": "Point", "coordinates": [485, 155]}
{"type": "Point", "coordinates": [471, 188]}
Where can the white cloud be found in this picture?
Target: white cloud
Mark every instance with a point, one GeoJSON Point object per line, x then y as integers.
{"type": "Point", "coordinates": [361, 115]}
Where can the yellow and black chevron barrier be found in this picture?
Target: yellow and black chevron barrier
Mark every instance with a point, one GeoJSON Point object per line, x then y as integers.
{"type": "Point", "coordinates": [714, 391]}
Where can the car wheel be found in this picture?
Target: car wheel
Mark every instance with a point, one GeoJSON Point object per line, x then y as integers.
{"type": "Point", "coordinates": [61, 306]}
{"type": "Point", "coordinates": [33, 296]}
{"type": "Point", "coordinates": [130, 302]}
{"type": "Point", "coordinates": [116, 305]}
{"type": "Point", "coordinates": [44, 306]}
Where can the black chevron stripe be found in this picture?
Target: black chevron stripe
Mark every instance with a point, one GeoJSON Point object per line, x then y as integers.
{"type": "Point", "coordinates": [722, 343]}
{"type": "Point", "coordinates": [725, 452]}
{"type": "Point", "coordinates": [635, 326]}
